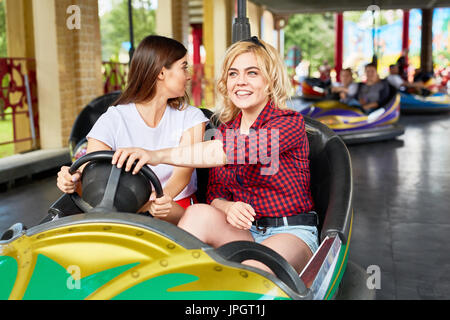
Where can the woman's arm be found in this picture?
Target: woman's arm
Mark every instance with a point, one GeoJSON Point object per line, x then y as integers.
{"type": "Point", "coordinates": [68, 183]}
{"type": "Point", "coordinates": [239, 214]}
{"type": "Point", "coordinates": [280, 135]}
{"type": "Point", "coordinates": [182, 175]}
{"type": "Point", "coordinates": [205, 154]}
{"type": "Point", "coordinates": [165, 207]}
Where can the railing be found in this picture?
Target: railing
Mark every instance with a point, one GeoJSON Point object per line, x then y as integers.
{"type": "Point", "coordinates": [18, 90]}
{"type": "Point", "coordinates": [202, 86]}
{"type": "Point", "coordinates": [115, 76]}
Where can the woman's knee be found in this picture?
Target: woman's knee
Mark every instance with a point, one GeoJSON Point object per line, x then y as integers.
{"type": "Point", "coordinates": [197, 211]}
{"type": "Point", "coordinates": [198, 215]}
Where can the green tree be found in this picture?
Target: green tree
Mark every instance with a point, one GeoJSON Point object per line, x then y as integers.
{"type": "Point", "coordinates": [3, 50]}
{"type": "Point", "coordinates": [114, 26]}
{"type": "Point", "coordinates": [314, 35]}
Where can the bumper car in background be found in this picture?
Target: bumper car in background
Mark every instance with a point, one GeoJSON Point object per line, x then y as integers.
{"type": "Point", "coordinates": [353, 125]}
{"type": "Point", "coordinates": [314, 89]}
{"type": "Point", "coordinates": [434, 103]}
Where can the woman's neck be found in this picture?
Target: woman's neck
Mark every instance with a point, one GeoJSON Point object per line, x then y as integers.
{"type": "Point", "coordinates": [152, 111]}
{"type": "Point", "coordinates": [249, 116]}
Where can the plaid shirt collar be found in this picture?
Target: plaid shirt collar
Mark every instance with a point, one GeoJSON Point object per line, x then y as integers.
{"type": "Point", "coordinates": [266, 114]}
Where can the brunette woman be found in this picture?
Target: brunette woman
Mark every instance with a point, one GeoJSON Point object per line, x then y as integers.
{"type": "Point", "coordinates": [152, 113]}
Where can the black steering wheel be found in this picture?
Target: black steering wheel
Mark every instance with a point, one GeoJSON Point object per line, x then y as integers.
{"type": "Point", "coordinates": [107, 202]}
{"type": "Point", "coordinates": [238, 251]}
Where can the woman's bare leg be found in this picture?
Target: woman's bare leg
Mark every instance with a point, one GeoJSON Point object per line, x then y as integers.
{"type": "Point", "coordinates": [210, 226]}
{"type": "Point", "coordinates": [296, 252]}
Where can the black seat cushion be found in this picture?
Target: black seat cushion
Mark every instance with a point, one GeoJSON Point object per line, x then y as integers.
{"type": "Point", "coordinates": [89, 115]}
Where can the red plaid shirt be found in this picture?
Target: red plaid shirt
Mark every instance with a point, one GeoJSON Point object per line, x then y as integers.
{"type": "Point", "coordinates": [268, 168]}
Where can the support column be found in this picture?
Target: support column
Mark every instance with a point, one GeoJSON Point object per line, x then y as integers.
{"type": "Point", "coordinates": [20, 44]}
{"type": "Point", "coordinates": [68, 64]}
{"type": "Point", "coordinates": [280, 23]}
{"type": "Point", "coordinates": [208, 43]}
{"type": "Point", "coordinates": [47, 72]}
{"type": "Point", "coordinates": [172, 20]}
{"type": "Point", "coordinates": [268, 27]}
{"type": "Point", "coordinates": [217, 18]}
{"type": "Point", "coordinates": [426, 51]}
{"type": "Point", "coordinates": [254, 13]}
{"type": "Point", "coordinates": [339, 46]}
{"type": "Point", "coordinates": [405, 35]}
{"type": "Point", "coordinates": [197, 75]}
{"type": "Point", "coordinates": [403, 62]}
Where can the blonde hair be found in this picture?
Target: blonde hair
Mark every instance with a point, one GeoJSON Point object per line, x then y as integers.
{"type": "Point", "coordinates": [272, 68]}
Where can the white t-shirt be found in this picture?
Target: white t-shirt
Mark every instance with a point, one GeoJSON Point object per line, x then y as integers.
{"type": "Point", "coordinates": [395, 80]}
{"type": "Point", "coordinates": [123, 127]}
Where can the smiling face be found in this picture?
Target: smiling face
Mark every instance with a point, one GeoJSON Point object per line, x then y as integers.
{"type": "Point", "coordinates": [246, 84]}
{"type": "Point", "coordinates": [176, 77]}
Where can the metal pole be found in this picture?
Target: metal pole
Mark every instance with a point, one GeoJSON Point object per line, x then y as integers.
{"type": "Point", "coordinates": [130, 24]}
{"type": "Point", "coordinates": [30, 111]}
{"type": "Point", "coordinates": [241, 25]}
{"type": "Point", "coordinates": [338, 50]}
{"type": "Point", "coordinates": [374, 46]}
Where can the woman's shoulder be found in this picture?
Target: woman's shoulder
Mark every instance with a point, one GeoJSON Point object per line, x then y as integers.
{"type": "Point", "coordinates": [187, 113]}
{"type": "Point", "coordinates": [284, 113]}
{"type": "Point", "coordinates": [119, 109]}
{"type": "Point", "coordinates": [192, 110]}
{"type": "Point", "coordinates": [283, 118]}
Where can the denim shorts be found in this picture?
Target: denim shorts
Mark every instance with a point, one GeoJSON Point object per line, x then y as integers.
{"type": "Point", "coordinates": [308, 234]}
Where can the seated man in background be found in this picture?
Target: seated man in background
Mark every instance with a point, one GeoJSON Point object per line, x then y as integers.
{"type": "Point", "coordinates": [398, 82]}
{"type": "Point", "coordinates": [346, 89]}
{"type": "Point", "coordinates": [423, 80]}
{"type": "Point", "coordinates": [374, 93]}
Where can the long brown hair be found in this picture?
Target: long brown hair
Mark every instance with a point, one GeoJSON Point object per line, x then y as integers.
{"type": "Point", "coordinates": [152, 54]}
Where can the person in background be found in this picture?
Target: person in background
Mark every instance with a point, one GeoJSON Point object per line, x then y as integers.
{"type": "Point", "coordinates": [374, 93]}
{"type": "Point", "coordinates": [347, 88]}
{"type": "Point", "coordinates": [398, 82]}
{"type": "Point", "coordinates": [325, 73]}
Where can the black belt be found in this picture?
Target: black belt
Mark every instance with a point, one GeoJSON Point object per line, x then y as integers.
{"type": "Point", "coordinates": [306, 219]}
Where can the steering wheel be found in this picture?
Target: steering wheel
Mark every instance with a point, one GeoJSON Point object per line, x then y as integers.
{"type": "Point", "coordinates": [238, 251]}
{"type": "Point", "coordinates": [107, 202]}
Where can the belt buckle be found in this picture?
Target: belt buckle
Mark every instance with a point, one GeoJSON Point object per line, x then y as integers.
{"type": "Point", "coordinates": [263, 229]}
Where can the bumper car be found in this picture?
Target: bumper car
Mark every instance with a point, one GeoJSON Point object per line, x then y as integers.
{"type": "Point", "coordinates": [314, 89]}
{"type": "Point", "coordinates": [97, 247]}
{"type": "Point", "coordinates": [353, 125]}
{"type": "Point", "coordinates": [413, 103]}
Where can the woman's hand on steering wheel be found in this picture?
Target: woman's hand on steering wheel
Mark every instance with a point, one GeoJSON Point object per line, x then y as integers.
{"type": "Point", "coordinates": [140, 155]}
{"type": "Point", "coordinates": [67, 182]}
{"type": "Point", "coordinates": [158, 207]}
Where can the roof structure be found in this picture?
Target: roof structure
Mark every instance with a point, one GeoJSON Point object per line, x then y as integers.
{"type": "Point", "coordinates": [285, 7]}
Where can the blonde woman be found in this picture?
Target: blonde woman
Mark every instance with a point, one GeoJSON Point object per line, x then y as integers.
{"type": "Point", "coordinates": [259, 187]}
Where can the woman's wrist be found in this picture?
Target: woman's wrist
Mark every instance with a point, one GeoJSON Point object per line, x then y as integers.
{"type": "Point", "coordinates": [155, 157]}
{"type": "Point", "coordinates": [221, 204]}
